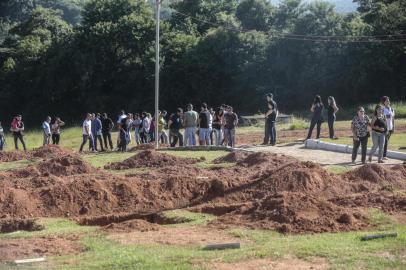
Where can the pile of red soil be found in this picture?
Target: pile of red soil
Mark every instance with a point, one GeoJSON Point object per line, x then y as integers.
{"type": "Point", "coordinates": [261, 191]}
{"type": "Point", "coordinates": [50, 151]}
{"type": "Point", "coordinates": [232, 157]}
{"type": "Point", "coordinates": [150, 159]}
{"type": "Point", "coordinates": [295, 212]}
{"type": "Point", "coordinates": [132, 225]}
{"type": "Point", "coordinates": [66, 165]}
{"type": "Point", "coordinates": [6, 156]}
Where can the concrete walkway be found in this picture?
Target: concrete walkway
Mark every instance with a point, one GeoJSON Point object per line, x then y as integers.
{"type": "Point", "coordinates": [324, 158]}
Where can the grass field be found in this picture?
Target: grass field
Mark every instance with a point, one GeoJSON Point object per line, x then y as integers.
{"type": "Point", "coordinates": [335, 250]}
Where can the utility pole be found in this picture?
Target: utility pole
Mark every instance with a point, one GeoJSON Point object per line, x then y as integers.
{"type": "Point", "coordinates": [158, 13]}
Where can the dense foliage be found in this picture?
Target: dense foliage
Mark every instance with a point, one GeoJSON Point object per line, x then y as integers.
{"type": "Point", "coordinates": [67, 57]}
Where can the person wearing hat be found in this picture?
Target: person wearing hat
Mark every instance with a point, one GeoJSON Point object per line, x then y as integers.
{"type": "Point", "coordinates": [269, 117]}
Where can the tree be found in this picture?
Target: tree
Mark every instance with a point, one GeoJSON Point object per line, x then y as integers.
{"type": "Point", "coordinates": [255, 14]}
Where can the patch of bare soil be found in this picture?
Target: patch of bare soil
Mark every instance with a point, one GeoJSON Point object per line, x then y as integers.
{"type": "Point", "coordinates": [8, 156]}
{"type": "Point", "coordinates": [132, 225]}
{"type": "Point", "coordinates": [185, 235]}
{"type": "Point", "coordinates": [271, 264]}
{"type": "Point", "coordinates": [261, 191]}
{"type": "Point", "coordinates": [25, 248]}
{"type": "Point", "coordinates": [50, 151]}
{"type": "Point", "coordinates": [150, 159]}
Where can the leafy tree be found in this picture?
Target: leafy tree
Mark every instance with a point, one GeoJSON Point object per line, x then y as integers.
{"type": "Point", "coordinates": [255, 14]}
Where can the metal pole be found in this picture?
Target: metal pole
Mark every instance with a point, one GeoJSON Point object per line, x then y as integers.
{"type": "Point", "coordinates": [158, 6]}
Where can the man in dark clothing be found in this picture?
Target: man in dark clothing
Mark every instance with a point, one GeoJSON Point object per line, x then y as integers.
{"type": "Point", "coordinates": [107, 127]}
{"type": "Point", "coordinates": [230, 122]}
{"type": "Point", "coordinates": [204, 125]}
{"type": "Point", "coordinates": [174, 124]}
{"type": "Point", "coordinates": [268, 122]}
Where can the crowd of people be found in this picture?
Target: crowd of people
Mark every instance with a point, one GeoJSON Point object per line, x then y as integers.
{"type": "Point", "coordinates": [212, 127]}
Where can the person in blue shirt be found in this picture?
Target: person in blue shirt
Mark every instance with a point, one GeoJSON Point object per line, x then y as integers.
{"type": "Point", "coordinates": [97, 131]}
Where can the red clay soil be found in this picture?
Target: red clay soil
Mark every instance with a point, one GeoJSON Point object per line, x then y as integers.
{"type": "Point", "coordinates": [262, 191]}
{"type": "Point", "coordinates": [27, 248]}
{"type": "Point", "coordinates": [150, 159]}
{"type": "Point", "coordinates": [144, 146]}
{"type": "Point", "coordinates": [44, 152]}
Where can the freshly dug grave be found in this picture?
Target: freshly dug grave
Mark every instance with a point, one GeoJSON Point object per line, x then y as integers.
{"type": "Point", "coordinates": [261, 191]}
{"type": "Point", "coordinates": [141, 147]}
{"type": "Point", "coordinates": [150, 159]}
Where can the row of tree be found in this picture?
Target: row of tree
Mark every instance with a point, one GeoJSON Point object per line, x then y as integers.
{"type": "Point", "coordinates": [68, 57]}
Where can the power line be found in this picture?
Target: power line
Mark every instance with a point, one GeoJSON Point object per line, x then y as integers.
{"type": "Point", "coordinates": [313, 38]}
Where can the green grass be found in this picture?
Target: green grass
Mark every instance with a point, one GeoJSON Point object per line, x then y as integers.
{"type": "Point", "coordinates": [52, 227]}
{"type": "Point", "coordinates": [100, 159]}
{"type": "Point", "coordinates": [341, 250]}
{"type": "Point", "coordinates": [15, 164]}
{"type": "Point", "coordinates": [338, 169]}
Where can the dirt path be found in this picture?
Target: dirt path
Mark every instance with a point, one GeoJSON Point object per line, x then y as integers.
{"type": "Point", "coordinates": [324, 158]}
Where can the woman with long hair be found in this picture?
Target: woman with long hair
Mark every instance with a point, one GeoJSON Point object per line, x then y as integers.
{"type": "Point", "coordinates": [332, 109]}
{"type": "Point", "coordinates": [379, 130]}
{"type": "Point", "coordinates": [389, 113]}
{"type": "Point", "coordinates": [317, 118]}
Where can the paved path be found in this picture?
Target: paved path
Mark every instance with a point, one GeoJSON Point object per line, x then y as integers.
{"type": "Point", "coordinates": [324, 158]}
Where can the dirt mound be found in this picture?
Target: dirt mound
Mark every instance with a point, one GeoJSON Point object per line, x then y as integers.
{"type": "Point", "coordinates": [132, 225]}
{"type": "Point", "coordinates": [295, 212]}
{"type": "Point", "coordinates": [12, 225]}
{"type": "Point", "coordinates": [50, 151]}
{"type": "Point", "coordinates": [375, 174]}
{"type": "Point", "coordinates": [150, 159]}
{"type": "Point", "coordinates": [6, 156]}
{"type": "Point", "coordinates": [144, 146]}
{"type": "Point", "coordinates": [66, 165]}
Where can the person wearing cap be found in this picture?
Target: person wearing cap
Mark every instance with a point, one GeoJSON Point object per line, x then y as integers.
{"type": "Point", "coordinates": [17, 128]}
{"type": "Point", "coordinates": [46, 128]}
{"type": "Point", "coordinates": [268, 120]}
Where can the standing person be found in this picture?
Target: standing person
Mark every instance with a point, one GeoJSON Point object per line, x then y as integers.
{"type": "Point", "coordinates": [379, 130]}
{"type": "Point", "coordinates": [269, 100]}
{"type": "Point", "coordinates": [204, 125]}
{"type": "Point", "coordinates": [17, 127]}
{"type": "Point", "coordinates": [190, 120]}
{"type": "Point", "coordinates": [137, 126]}
{"type": "Point", "coordinates": [128, 125]}
{"type": "Point", "coordinates": [151, 133]}
{"type": "Point", "coordinates": [97, 131]}
{"type": "Point", "coordinates": [123, 135]}
{"type": "Point", "coordinates": [317, 118]}
{"type": "Point", "coordinates": [46, 128]}
{"type": "Point", "coordinates": [230, 122]}
{"type": "Point", "coordinates": [56, 130]}
{"type": "Point", "coordinates": [217, 127]}
{"type": "Point", "coordinates": [389, 113]}
{"type": "Point", "coordinates": [360, 134]}
{"type": "Point", "coordinates": [145, 125]}
{"type": "Point", "coordinates": [271, 116]}
{"type": "Point", "coordinates": [87, 132]}
{"type": "Point", "coordinates": [332, 109]}
{"type": "Point", "coordinates": [174, 124]}
{"type": "Point", "coordinates": [161, 129]}
{"type": "Point", "coordinates": [107, 127]}
{"type": "Point", "coordinates": [121, 117]}
{"type": "Point", "coordinates": [2, 138]}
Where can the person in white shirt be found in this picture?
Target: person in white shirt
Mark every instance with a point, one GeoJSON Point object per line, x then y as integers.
{"type": "Point", "coordinates": [87, 132]}
{"type": "Point", "coordinates": [389, 113]}
{"type": "Point", "coordinates": [47, 130]}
